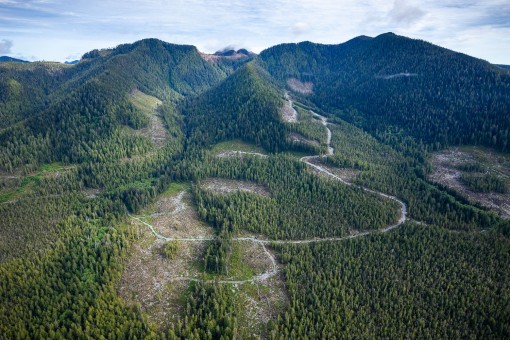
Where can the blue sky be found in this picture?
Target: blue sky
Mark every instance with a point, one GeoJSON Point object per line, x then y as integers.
{"type": "Point", "coordinates": [63, 30]}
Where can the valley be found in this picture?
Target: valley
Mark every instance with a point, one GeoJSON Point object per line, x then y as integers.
{"type": "Point", "coordinates": [191, 246]}
{"type": "Point", "coordinates": [311, 191]}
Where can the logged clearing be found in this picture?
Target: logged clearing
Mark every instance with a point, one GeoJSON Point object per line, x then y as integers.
{"type": "Point", "coordinates": [144, 102]}
{"type": "Point", "coordinates": [289, 114]}
{"type": "Point", "coordinates": [226, 186]}
{"type": "Point", "coordinates": [150, 278]}
{"type": "Point", "coordinates": [252, 255]}
{"type": "Point", "coordinates": [260, 303]}
{"type": "Point", "coordinates": [239, 154]}
{"type": "Point", "coordinates": [14, 186]}
{"type": "Point", "coordinates": [159, 285]}
{"type": "Point", "coordinates": [299, 86]}
{"type": "Point", "coordinates": [176, 217]}
{"type": "Point", "coordinates": [91, 192]}
{"type": "Point", "coordinates": [298, 138]}
{"type": "Point", "coordinates": [450, 165]}
{"type": "Point", "coordinates": [8, 183]}
{"type": "Point", "coordinates": [156, 130]}
{"type": "Point", "coordinates": [212, 58]}
{"type": "Point", "coordinates": [236, 147]}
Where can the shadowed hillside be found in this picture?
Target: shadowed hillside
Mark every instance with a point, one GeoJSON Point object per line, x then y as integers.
{"type": "Point", "coordinates": [392, 85]}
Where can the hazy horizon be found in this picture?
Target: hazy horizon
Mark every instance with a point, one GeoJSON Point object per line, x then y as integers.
{"type": "Point", "coordinates": [54, 30]}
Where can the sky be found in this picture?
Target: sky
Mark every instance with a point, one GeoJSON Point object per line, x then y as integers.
{"type": "Point", "coordinates": [62, 30]}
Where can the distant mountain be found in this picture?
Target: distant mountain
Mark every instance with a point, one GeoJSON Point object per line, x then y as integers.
{"type": "Point", "coordinates": [504, 67]}
{"type": "Point", "coordinates": [7, 59]}
{"type": "Point", "coordinates": [136, 129]}
{"type": "Point", "coordinates": [246, 52]}
{"type": "Point", "coordinates": [394, 86]}
{"type": "Point", "coordinates": [229, 60]}
{"type": "Point", "coordinates": [88, 105]}
{"type": "Point", "coordinates": [74, 62]}
{"type": "Point", "coordinates": [233, 53]}
{"type": "Point", "coordinates": [226, 53]}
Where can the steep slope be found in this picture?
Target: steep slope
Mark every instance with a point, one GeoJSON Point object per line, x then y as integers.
{"type": "Point", "coordinates": [390, 82]}
{"type": "Point", "coordinates": [381, 253]}
{"type": "Point", "coordinates": [230, 62]}
{"type": "Point", "coordinates": [246, 106]}
{"type": "Point", "coordinates": [26, 88]}
{"type": "Point", "coordinates": [78, 111]}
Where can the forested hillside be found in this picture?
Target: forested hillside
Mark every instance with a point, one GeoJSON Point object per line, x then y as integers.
{"type": "Point", "coordinates": [410, 284]}
{"type": "Point", "coordinates": [154, 191]}
{"type": "Point", "coordinates": [87, 104]}
{"type": "Point", "coordinates": [244, 106]}
{"type": "Point", "coordinates": [393, 85]}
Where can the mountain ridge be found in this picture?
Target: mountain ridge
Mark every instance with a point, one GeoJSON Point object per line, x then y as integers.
{"type": "Point", "coordinates": [5, 58]}
{"type": "Point", "coordinates": [154, 191]}
{"type": "Point", "coordinates": [352, 79]}
{"type": "Point", "coordinates": [382, 84]}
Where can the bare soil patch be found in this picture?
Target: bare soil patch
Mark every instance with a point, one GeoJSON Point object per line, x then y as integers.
{"type": "Point", "coordinates": [261, 303]}
{"type": "Point", "coordinates": [154, 281]}
{"type": "Point", "coordinates": [289, 114]}
{"type": "Point", "coordinates": [156, 130]}
{"type": "Point", "coordinates": [151, 280]}
{"type": "Point", "coordinates": [176, 217]}
{"type": "Point", "coordinates": [226, 186]}
{"type": "Point", "coordinates": [299, 86]}
{"type": "Point", "coordinates": [212, 58]}
{"type": "Point", "coordinates": [298, 138]}
{"type": "Point", "coordinates": [449, 165]}
{"type": "Point", "coordinates": [91, 192]}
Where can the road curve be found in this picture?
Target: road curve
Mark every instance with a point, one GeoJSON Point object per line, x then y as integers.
{"type": "Point", "coordinates": [263, 242]}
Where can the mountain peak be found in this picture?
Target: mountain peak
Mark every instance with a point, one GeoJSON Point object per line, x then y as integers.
{"type": "Point", "coordinates": [10, 59]}
{"type": "Point", "coordinates": [233, 53]}
{"type": "Point", "coordinates": [388, 35]}
{"type": "Point", "coordinates": [362, 38]}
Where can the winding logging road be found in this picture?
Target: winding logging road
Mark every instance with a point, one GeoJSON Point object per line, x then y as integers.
{"type": "Point", "coordinates": [263, 242]}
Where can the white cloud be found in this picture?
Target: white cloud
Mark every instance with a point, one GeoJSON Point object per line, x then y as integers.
{"type": "Point", "coordinates": [5, 46]}
{"type": "Point", "coordinates": [405, 13]}
{"type": "Point", "coordinates": [73, 56]}
{"type": "Point", "coordinates": [52, 29]}
{"type": "Point", "coordinates": [300, 28]}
